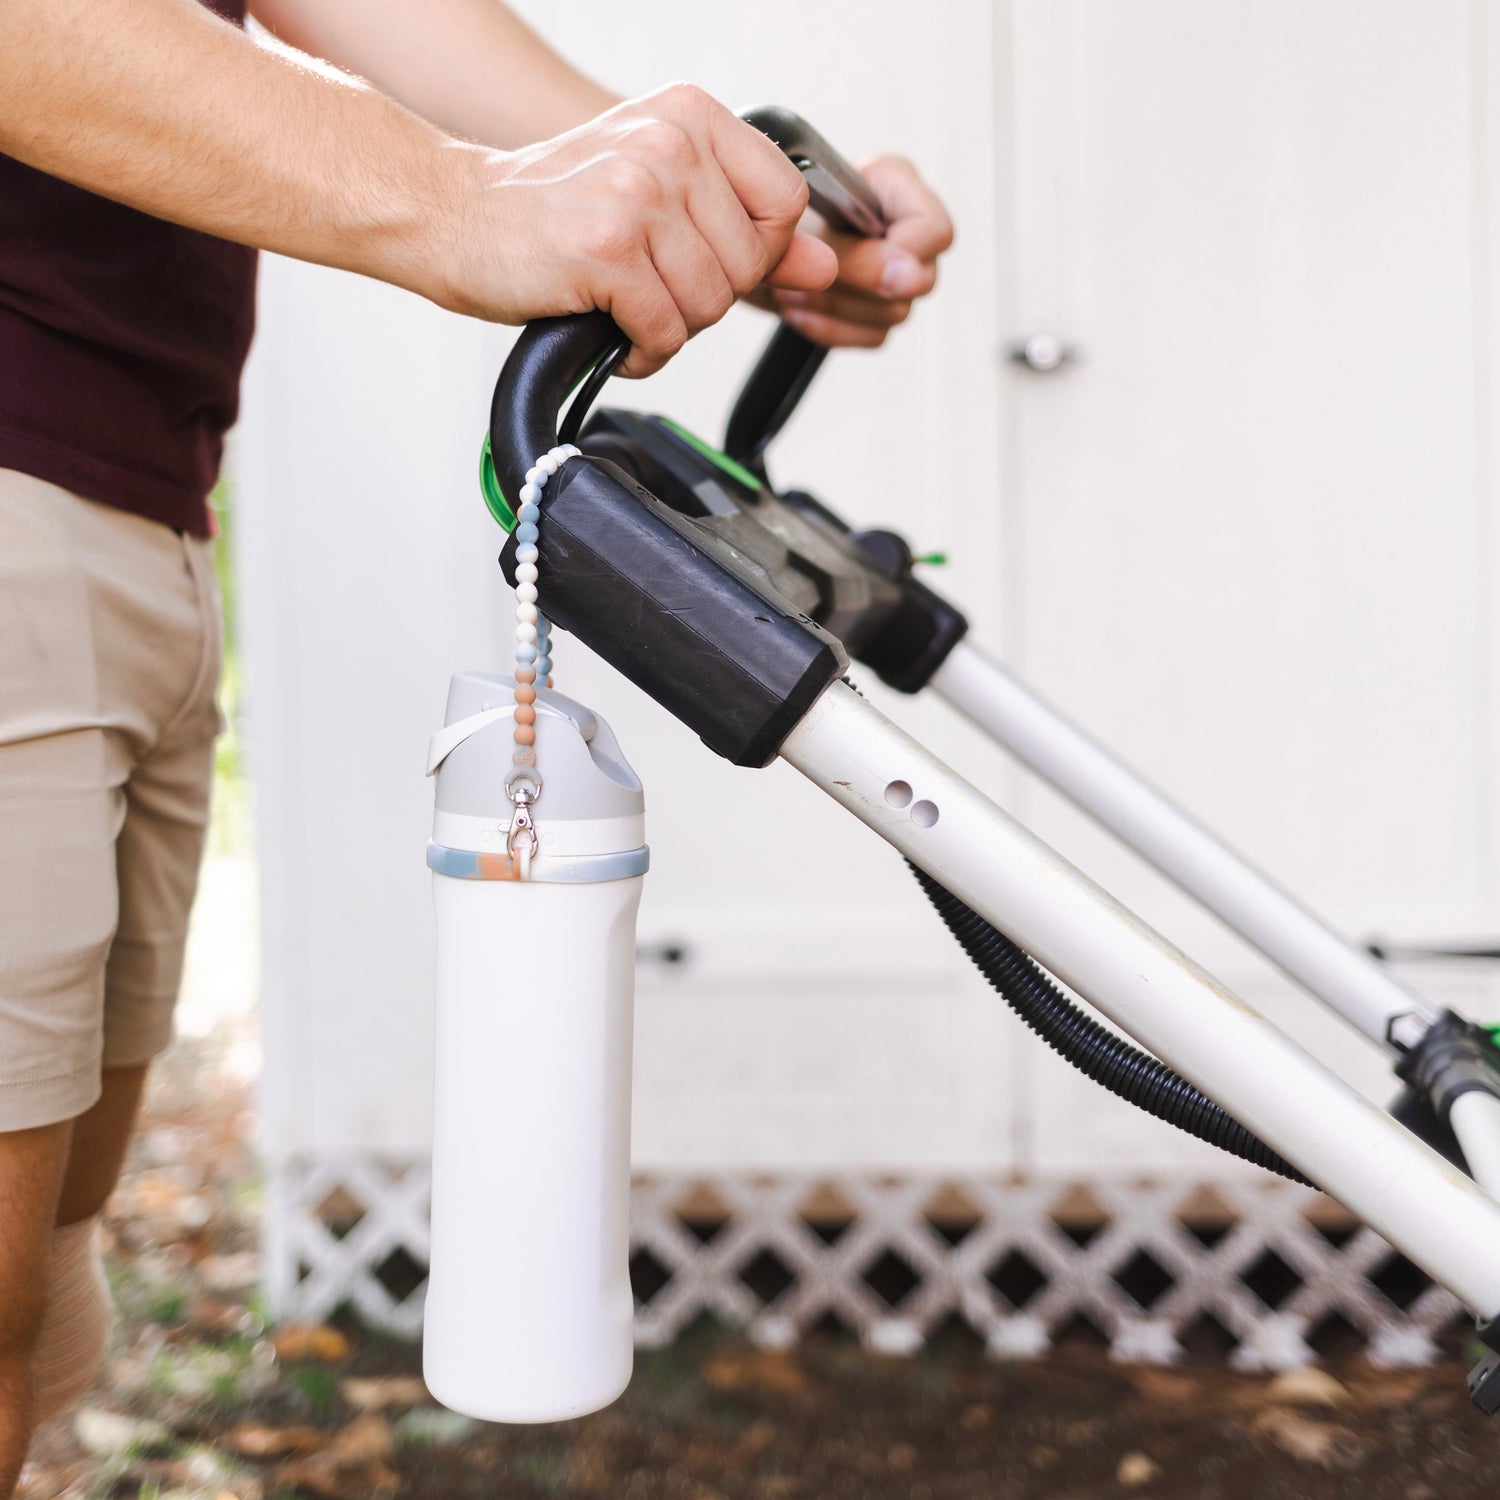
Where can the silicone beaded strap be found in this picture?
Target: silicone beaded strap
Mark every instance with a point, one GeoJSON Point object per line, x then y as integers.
{"type": "Point", "coordinates": [533, 634]}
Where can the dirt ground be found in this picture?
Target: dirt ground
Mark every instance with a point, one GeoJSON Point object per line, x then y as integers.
{"type": "Point", "coordinates": [202, 1402]}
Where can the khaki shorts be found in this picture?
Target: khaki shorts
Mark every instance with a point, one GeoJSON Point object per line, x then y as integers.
{"type": "Point", "coordinates": [109, 659]}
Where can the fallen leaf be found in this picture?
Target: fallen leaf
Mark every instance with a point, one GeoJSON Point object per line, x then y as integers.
{"type": "Point", "coordinates": [257, 1440]}
{"type": "Point", "coordinates": [375, 1393]}
{"type": "Point", "coordinates": [107, 1433]}
{"type": "Point", "coordinates": [902, 1457]}
{"type": "Point", "coordinates": [310, 1341]}
{"type": "Point", "coordinates": [1392, 1387]}
{"type": "Point", "coordinates": [772, 1369]}
{"type": "Point", "coordinates": [230, 1273]}
{"type": "Point", "coordinates": [353, 1464]}
{"type": "Point", "coordinates": [1309, 1442]}
{"type": "Point", "coordinates": [1163, 1385]}
{"type": "Point", "coordinates": [976, 1418]}
{"type": "Point", "coordinates": [333, 1481]}
{"type": "Point", "coordinates": [1306, 1386]}
{"type": "Point", "coordinates": [213, 1315]}
{"type": "Point", "coordinates": [1136, 1469]}
{"type": "Point", "coordinates": [365, 1438]}
{"type": "Point", "coordinates": [754, 1443]}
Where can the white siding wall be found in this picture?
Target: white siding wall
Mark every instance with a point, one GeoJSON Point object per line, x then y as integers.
{"type": "Point", "coordinates": [1247, 538]}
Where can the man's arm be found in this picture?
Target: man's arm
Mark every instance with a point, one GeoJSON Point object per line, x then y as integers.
{"type": "Point", "coordinates": [660, 212]}
{"type": "Point", "coordinates": [472, 67]}
{"type": "Point", "coordinates": [479, 71]}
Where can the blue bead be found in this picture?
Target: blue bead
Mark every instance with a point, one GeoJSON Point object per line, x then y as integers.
{"type": "Point", "coordinates": [529, 513]}
{"type": "Point", "coordinates": [526, 532]}
{"type": "Point", "coordinates": [526, 653]}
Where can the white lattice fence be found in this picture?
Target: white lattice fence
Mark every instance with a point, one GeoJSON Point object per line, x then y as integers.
{"type": "Point", "coordinates": [1269, 1274]}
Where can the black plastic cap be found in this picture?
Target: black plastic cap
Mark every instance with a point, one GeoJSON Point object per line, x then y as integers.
{"type": "Point", "coordinates": [916, 640]}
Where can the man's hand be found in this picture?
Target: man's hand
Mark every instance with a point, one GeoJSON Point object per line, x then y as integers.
{"type": "Point", "coordinates": [877, 279]}
{"type": "Point", "coordinates": [663, 212]}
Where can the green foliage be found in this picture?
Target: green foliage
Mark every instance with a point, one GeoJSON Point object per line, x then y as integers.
{"type": "Point", "coordinates": [230, 824]}
{"type": "Point", "coordinates": [319, 1388]}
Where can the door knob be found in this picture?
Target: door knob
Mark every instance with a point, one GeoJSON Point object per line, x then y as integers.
{"type": "Point", "coordinates": [1042, 352]}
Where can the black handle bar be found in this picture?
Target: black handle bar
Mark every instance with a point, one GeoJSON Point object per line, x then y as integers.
{"type": "Point", "coordinates": [783, 373]}
{"type": "Point", "coordinates": [555, 355]}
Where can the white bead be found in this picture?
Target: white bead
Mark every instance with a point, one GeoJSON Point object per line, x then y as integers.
{"type": "Point", "coordinates": [526, 593]}
{"type": "Point", "coordinates": [530, 494]}
{"type": "Point", "coordinates": [526, 572]}
{"type": "Point", "coordinates": [526, 613]}
{"type": "Point", "coordinates": [547, 464]}
{"type": "Point", "coordinates": [526, 634]}
{"type": "Point", "coordinates": [536, 475]}
{"type": "Point", "coordinates": [527, 553]}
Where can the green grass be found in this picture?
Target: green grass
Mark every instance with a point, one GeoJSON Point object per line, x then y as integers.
{"type": "Point", "coordinates": [318, 1388]}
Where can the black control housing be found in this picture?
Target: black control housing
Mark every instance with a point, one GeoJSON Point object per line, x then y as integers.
{"type": "Point", "coordinates": [857, 585]}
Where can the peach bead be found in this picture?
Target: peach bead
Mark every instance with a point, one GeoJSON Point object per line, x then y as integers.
{"type": "Point", "coordinates": [525, 714]}
{"type": "Point", "coordinates": [525, 735]}
{"type": "Point", "coordinates": [525, 675]}
{"type": "Point", "coordinates": [526, 694]}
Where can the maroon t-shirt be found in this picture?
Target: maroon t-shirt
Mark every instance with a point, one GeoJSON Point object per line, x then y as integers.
{"type": "Point", "coordinates": [121, 343]}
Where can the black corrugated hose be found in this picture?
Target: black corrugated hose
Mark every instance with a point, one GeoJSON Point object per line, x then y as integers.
{"type": "Point", "coordinates": [1093, 1049]}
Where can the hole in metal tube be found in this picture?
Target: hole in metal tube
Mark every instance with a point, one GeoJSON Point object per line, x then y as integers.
{"type": "Point", "coordinates": [924, 814]}
{"type": "Point", "coordinates": [898, 794]}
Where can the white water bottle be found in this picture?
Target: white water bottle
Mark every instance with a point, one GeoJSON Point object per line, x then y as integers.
{"type": "Point", "coordinates": [529, 1309]}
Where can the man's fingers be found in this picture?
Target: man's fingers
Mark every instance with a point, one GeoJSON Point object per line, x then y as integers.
{"type": "Point", "coordinates": [882, 268]}
{"type": "Point", "coordinates": [848, 306]}
{"type": "Point", "coordinates": [691, 273]}
{"type": "Point", "coordinates": [769, 186]}
{"type": "Point", "coordinates": [918, 221]}
{"type": "Point", "coordinates": [721, 219]}
{"type": "Point", "coordinates": [808, 265]}
{"type": "Point", "coordinates": [648, 316]}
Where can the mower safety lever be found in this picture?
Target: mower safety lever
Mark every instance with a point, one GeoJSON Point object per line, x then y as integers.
{"type": "Point", "coordinates": [785, 370]}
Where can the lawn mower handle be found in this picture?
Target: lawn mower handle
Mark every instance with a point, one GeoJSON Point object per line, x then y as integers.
{"type": "Point", "coordinates": [554, 354]}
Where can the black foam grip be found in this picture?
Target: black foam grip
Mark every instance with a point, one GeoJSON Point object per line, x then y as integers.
{"type": "Point", "coordinates": [549, 359]}
{"type": "Point", "coordinates": [672, 608]}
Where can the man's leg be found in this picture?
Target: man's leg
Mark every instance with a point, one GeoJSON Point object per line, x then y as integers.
{"type": "Point", "coordinates": [100, 1140]}
{"type": "Point", "coordinates": [51, 1179]}
{"type": "Point", "coordinates": [32, 1164]}
{"type": "Point", "coordinates": [105, 719]}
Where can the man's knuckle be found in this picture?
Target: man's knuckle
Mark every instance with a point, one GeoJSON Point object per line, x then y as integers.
{"type": "Point", "coordinates": [789, 200]}
{"type": "Point", "coordinates": [719, 301]}
{"type": "Point", "coordinates": [670, 340]}
{"type": "Point", "coordinates": [607, 239]}
{"type": "Point", "coordinates": [666, 141]}
{"type": "Point", "coordinates": [625, 177]}
{"type": "Point", "coordinates": [689, 97]}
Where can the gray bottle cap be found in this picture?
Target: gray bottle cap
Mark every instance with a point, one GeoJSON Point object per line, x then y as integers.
{"type": "Point", "coordinates": [583, 773]}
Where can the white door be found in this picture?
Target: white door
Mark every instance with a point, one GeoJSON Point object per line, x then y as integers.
{"type": "Point", "coordinates": [1252, 529]}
